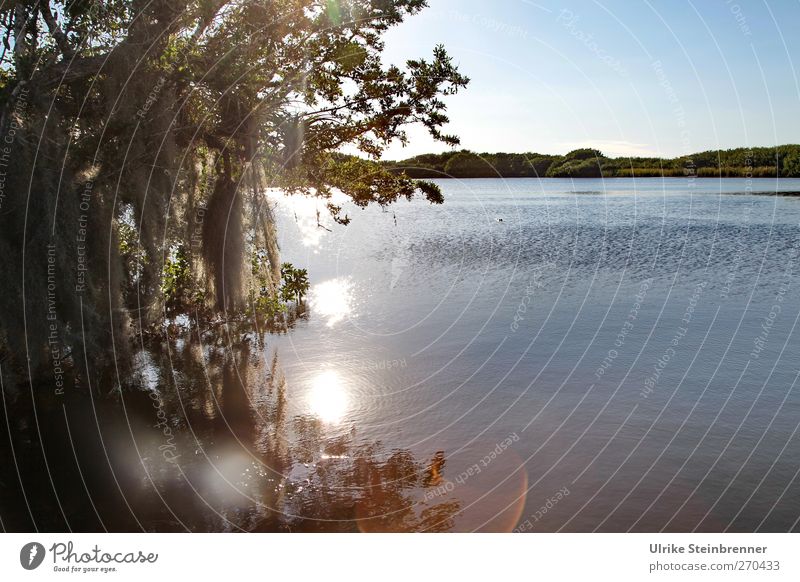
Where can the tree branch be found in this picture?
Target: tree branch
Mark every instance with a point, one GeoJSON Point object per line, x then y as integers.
{"type": "Point", "coordinates": [55, 30]}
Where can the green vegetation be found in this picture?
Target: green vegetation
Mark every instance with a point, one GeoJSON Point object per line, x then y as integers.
{"type": "Point", "coordinates": [139, 137]}
{"type": "Point", "coordinates": [266, 303]}
{"type": "Point", "coordinates": [295, 283]}
{"type": "Point", "coordinates": [176, 282]}
{"type": "Point", "coordinates": [782, 161]}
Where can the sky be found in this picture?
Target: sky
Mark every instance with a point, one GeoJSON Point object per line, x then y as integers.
{"type": "Point", "coordinates": [631, 78]}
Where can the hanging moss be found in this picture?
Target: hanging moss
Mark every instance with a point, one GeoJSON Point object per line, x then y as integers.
{"type": "Point", "coordinates": [140, 137]}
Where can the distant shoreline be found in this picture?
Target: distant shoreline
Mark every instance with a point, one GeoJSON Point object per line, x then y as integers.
{"type": "Point", "coordinates": [778, 162]}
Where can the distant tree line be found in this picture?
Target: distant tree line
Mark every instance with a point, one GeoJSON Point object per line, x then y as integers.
{"type": "Point", "coordinates": [762, 162]}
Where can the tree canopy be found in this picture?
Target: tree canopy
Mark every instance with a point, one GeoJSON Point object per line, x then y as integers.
{"type": "Point", "coordinates": [135, 129]}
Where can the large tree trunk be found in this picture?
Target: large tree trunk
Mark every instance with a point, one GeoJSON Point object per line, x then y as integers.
{"type": "Point", "coordinates": [223, 244]}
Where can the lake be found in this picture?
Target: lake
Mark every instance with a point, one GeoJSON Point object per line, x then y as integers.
{"type": "Point", "coordinates": [581, 355]}
{"type": "Point", "coordinates": [532, 355]}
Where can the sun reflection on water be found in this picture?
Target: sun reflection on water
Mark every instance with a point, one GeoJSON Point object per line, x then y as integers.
{"type": "Point", "coordinates": [332, 299]}
{"type": "Point", "coordinates": [328, 397]}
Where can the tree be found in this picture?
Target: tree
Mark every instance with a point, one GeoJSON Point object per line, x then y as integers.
{"type": "Point", "coordinates": [468, 165]}
{"type": "Point", "coordinates": [584, 154]}
{"type": "Point", "coordinates": [177, 114]}
{"type": "Point", "coordinates": [581, 163]}
{"type": "Point", "coordinates": [791, 163]}
{"type": "Point", "coordinates": [295, 283]}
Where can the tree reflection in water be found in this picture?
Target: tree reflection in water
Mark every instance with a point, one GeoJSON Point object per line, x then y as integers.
{"type": "Point", "coordinates": [203, 443]}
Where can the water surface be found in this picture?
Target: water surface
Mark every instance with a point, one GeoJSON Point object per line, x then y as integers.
{"type": "Point", "coordinates": [635, 338]}
{"type": "Point", "coordinates": [532, 355]}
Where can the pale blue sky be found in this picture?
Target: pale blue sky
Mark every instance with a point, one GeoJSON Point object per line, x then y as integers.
{"type": "Point", "coordinates": [552, 75]}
